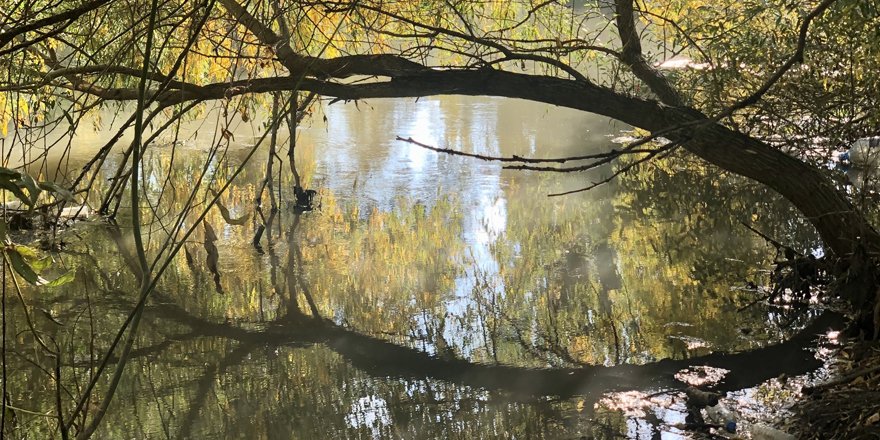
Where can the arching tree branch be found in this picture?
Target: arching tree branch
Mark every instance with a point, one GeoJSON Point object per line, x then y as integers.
{"type": "Point", "coordinates": [69, 16]}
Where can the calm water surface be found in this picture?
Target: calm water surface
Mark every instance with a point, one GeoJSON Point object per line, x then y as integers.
{"type": "Point", "coordinates": [430, 296]}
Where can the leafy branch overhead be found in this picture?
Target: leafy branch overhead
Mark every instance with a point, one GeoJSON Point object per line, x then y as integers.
{"type": "Point", "coordinates": [229, 51]}
{"type": "Point", "coordinates": [27, 190]}
{"type": "Point", "coordinates": [769, 90]}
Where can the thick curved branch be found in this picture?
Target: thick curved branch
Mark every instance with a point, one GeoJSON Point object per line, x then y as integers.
{"type": "Point", "coordinates": [839, 224]}
{"type": "Point", "coordinates": [69, 16]}
{"type": "Point", "coordinates": [383, 359]}
{"type": "Point", "coordinates": [301, 65]}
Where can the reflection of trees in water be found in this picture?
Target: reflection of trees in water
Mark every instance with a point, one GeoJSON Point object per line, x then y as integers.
{"type": "Point", "coordinates": [343, 325]}
{"type": "Point", "coordinates": [631, 274]}
{"type": "Point", "coordinates": [683, 211]}
{"type": "Point", "coordinates": [300, 389]}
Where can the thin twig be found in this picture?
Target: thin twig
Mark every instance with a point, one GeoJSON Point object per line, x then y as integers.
{"type": "Point", "coordinates": [796, 57]}
{"type": "Point", "coordinates": [515, 158]}
{"type": "Point", "coordinates": [667, 149]}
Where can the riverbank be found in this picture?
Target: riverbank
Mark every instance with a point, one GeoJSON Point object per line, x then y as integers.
{"type": "Point", "coordinates": [848, 405]}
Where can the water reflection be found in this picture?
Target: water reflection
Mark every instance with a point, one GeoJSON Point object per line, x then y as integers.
{"type": "Point", "coordinates": [430, 296]}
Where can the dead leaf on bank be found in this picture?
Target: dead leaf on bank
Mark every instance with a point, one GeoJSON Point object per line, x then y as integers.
{"type": "Point", "coordinates": [873, 419]}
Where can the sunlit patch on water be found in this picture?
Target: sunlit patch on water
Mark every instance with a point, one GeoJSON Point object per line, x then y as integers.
{"type": "Point", "coordinates": [648, 414]}
{"type": "Point", "coordinates": [701, 376]}
{"type": "Point", "coordinates": [369, 412]}
{"type": "Point", "coordinates": [829, 345]}
{"type": "Point", "coordinates": [690, 342]}
{"type": "Point", "coordinates": [630, 403]}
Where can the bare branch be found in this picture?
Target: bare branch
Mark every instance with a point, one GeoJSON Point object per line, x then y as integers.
{"type": "Point", "coordinates": [796, 57]}
{"type": "Point", "coordinates": [666, 149]}
{"type": "Point", "coordinates": [515, 158]}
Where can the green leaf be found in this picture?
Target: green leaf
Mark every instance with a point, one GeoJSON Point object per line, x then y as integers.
{"type": "Point", "coordinates": [30, 254]}
{"type": "Point", "coordinates": [14, 189]}
{"type": "Point", "coordinates": [23, 268]}
{"type": "Point", "coordinates": [42, 264]}
{"type": "Point", "coordinates": [32, 187]}
{"type": "Point", "coordinates": [67, 277]}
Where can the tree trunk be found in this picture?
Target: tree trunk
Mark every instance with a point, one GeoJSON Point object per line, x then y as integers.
{"type": "Point", "coordinates": [839, 224]}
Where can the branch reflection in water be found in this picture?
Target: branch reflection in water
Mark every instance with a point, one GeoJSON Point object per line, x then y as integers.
{"type": "Point", "coordinates": [430, 296]}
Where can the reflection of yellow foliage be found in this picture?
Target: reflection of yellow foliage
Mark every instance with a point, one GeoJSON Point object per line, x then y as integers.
{"type": "Point", "coordinates": [398, 260]}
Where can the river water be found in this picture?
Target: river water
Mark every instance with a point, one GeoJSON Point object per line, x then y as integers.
{"type": "Point", "coordinates": [427, 296]}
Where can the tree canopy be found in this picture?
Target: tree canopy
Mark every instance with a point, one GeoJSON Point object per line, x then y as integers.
{"type": "Point", "coordinates": [766, 89]}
